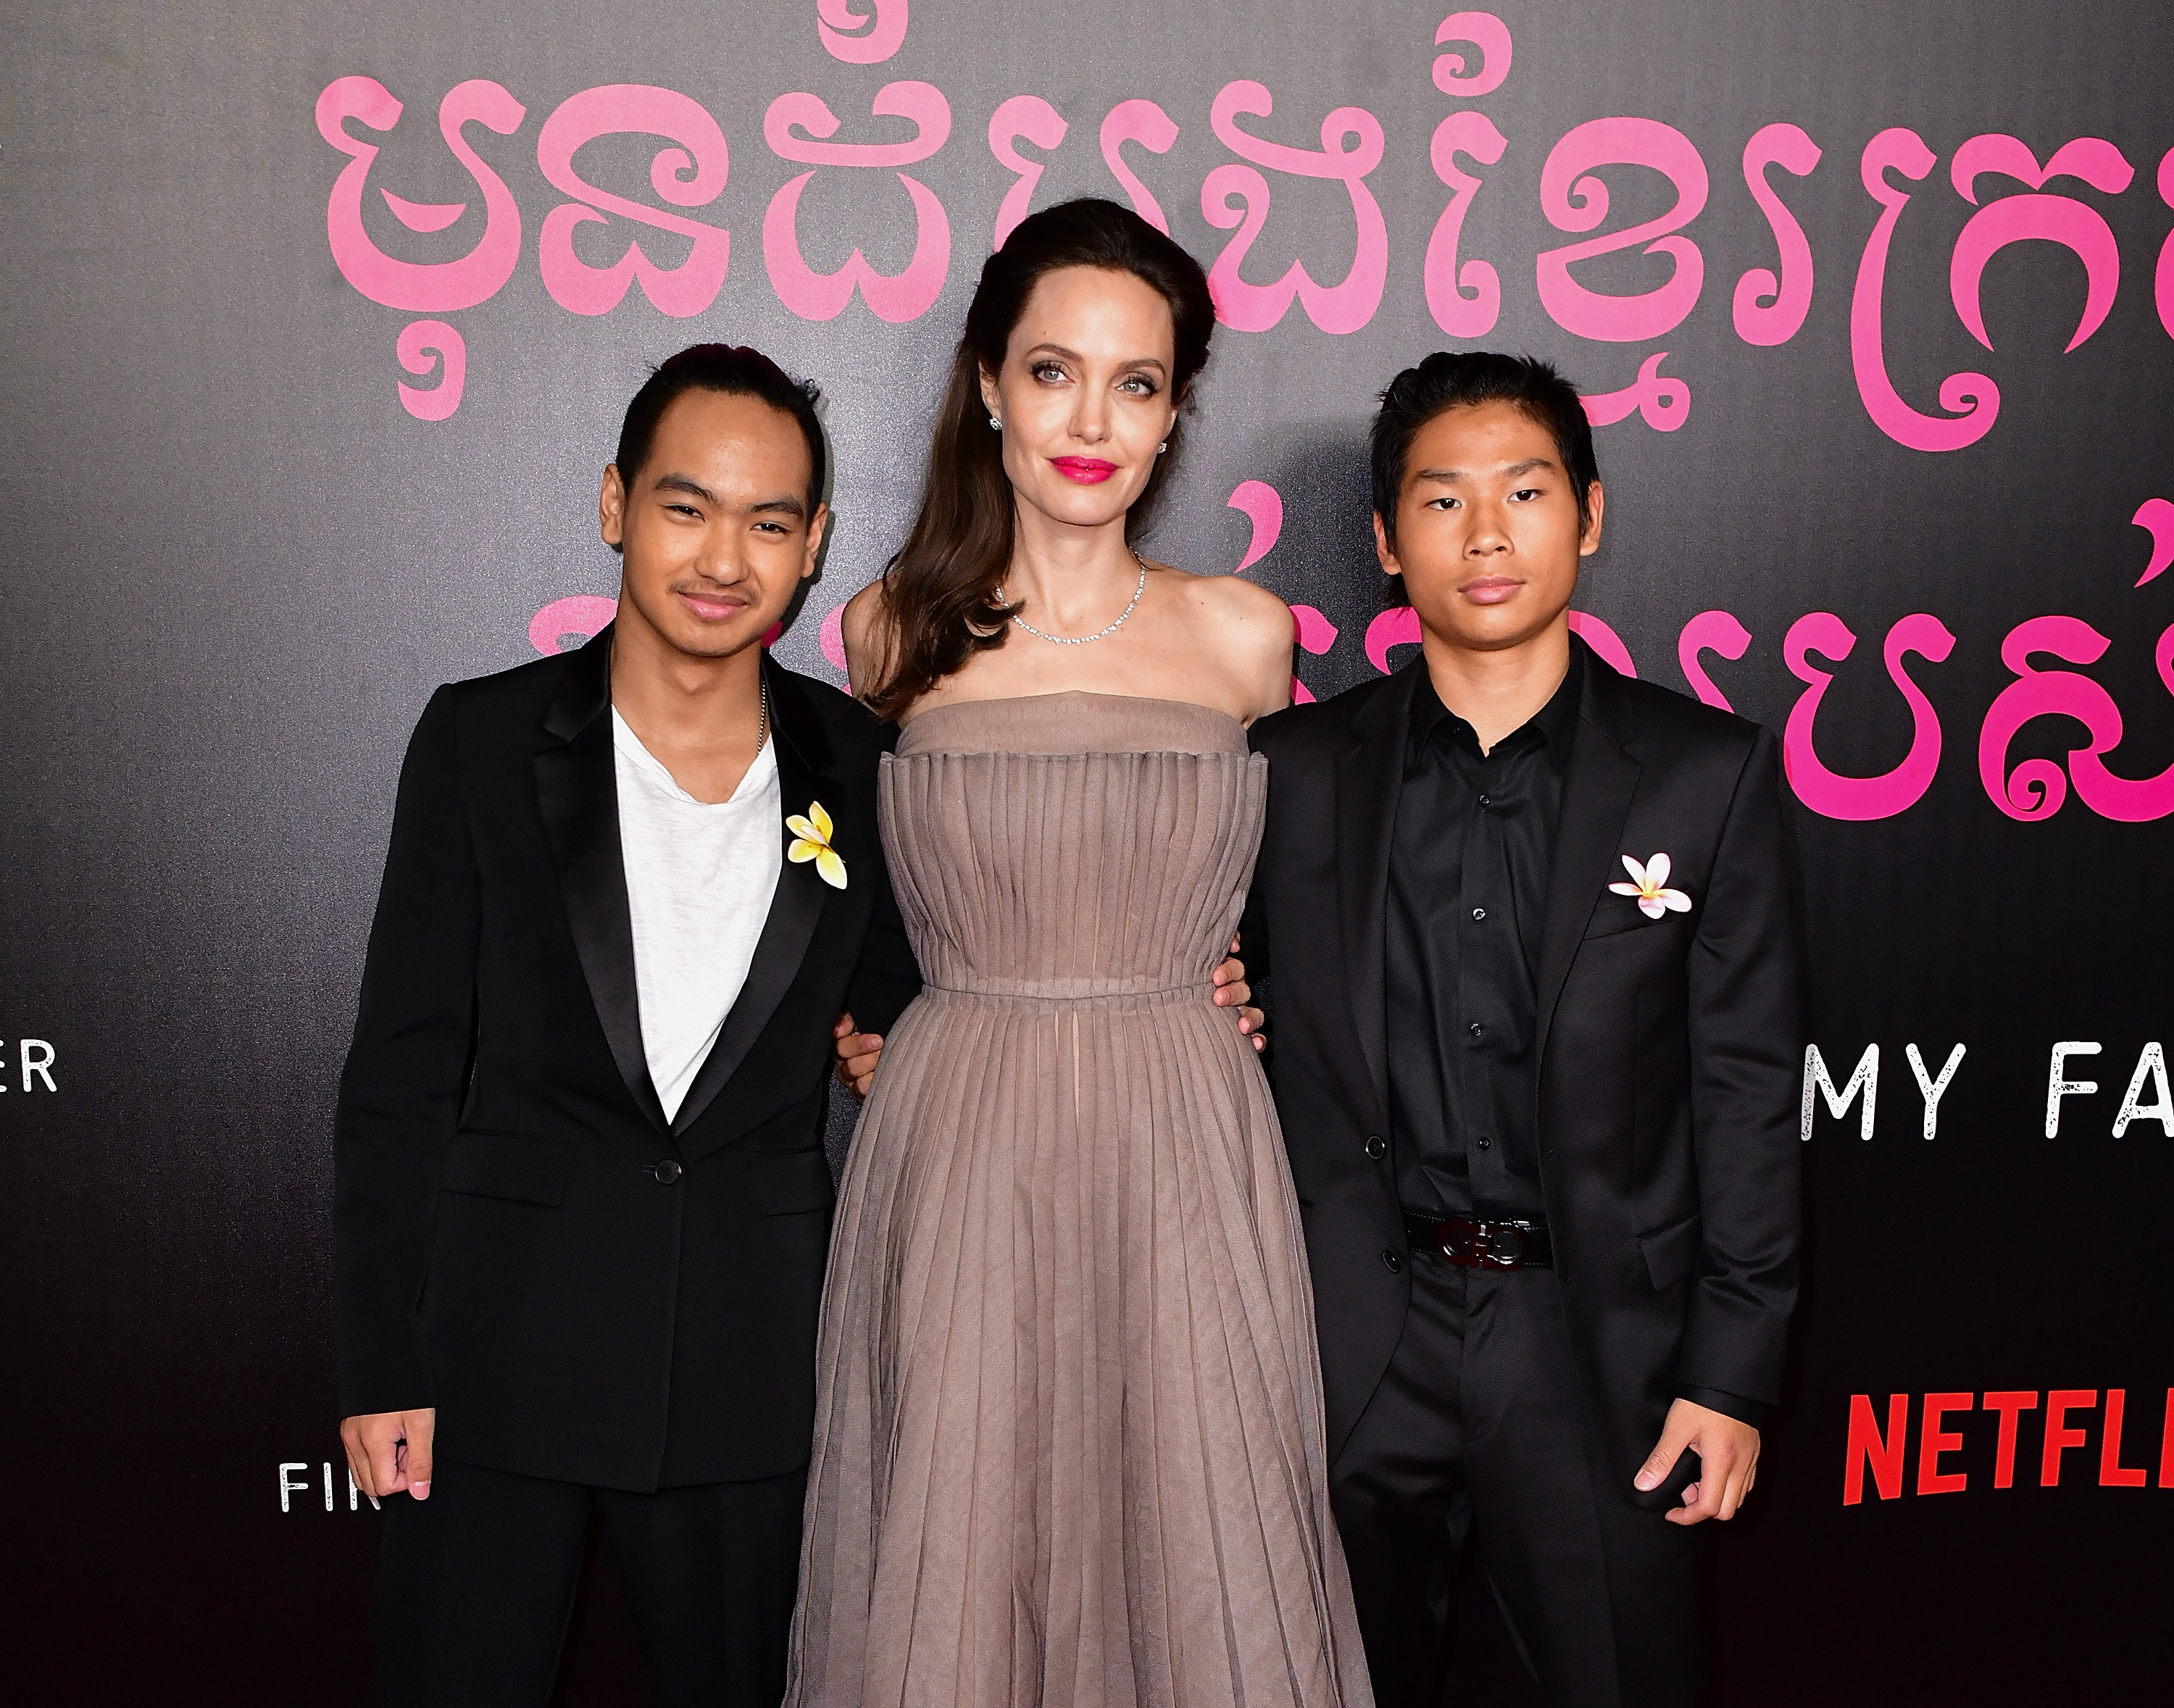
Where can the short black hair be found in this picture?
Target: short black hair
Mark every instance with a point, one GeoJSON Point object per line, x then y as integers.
{"type": "Point", "coordinates": [737, 371]}
{"type": "Point", "coordinates": [1449, 380]}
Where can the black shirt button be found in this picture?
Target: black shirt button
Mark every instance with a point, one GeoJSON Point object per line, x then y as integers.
{"type": "Point", "coordinates": [1376, 1146]}
{"type": "Point", "coordinates": [1477, 1030]}
{"type": "Point", "coordinates": [1393, 1262]}
{"type": "Point", "coordinates": [1485, 1142]}
{"type": "Point", "coordinates": [1479, 913]}
{"type": "Point", "coordinates": [668, 1171]}
{"type": "Point", "coordinates": [1485, 801]}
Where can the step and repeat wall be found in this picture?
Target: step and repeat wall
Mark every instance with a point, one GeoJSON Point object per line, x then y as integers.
{"type": "Point", "coordinates": [321, 320]}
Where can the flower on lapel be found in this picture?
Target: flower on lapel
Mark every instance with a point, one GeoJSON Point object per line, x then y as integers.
{"type": "Point", "coordinates": [1646, 882]}
{"type": "Point", "coordinates": [811, 841]}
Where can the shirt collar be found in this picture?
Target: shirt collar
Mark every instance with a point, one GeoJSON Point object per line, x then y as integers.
{"type": "Point", "coordinates": [1555, 723]}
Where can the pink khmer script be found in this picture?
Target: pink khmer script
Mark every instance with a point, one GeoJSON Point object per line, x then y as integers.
{"type": "Point", "coordinates": [1339, 308]}
{"type": "Point", "coordinates": [893, 297]}
{"type": "Point", "coordinates": [2060, 219]}
{"type": "Point", "coordinates": [1830, 793]}
{"type": "Point", "coordinates": [689, 176]}
{"type": "Point", "coordinates": [1574, 201]}
{"type": "Point", "coordinates": [2037, 787]}
{"type": "Point", "coordinates": [420, 287]}
{"type": "Point", "coordinates": [1767, 309]}
{"type": "Point", "coordinates": [1972, 399]}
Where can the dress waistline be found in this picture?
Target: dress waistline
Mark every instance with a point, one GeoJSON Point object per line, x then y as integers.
{"type": "Point", "coordinates": [1080, 993]}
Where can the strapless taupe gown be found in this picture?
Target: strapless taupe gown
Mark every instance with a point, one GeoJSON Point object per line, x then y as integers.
{"type": "Point", "coordinates": [1068, 1439]}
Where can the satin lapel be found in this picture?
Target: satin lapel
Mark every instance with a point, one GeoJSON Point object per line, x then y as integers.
{"type": "Point", "coordinates": [1596, 795]}
{"type": "Point", "coordinates": [1369, 776]}
{"type": "Point", "coordinates": [803, 758]}
{"type": "Point", "coordinates": [577, 791]}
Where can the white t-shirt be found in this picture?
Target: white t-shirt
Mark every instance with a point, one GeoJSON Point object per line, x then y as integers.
{"type": "Point", "coordinates": [700, 877]}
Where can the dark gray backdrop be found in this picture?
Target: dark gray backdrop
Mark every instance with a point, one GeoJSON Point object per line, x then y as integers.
{"type": "Point", "coordinates": [236, 565]}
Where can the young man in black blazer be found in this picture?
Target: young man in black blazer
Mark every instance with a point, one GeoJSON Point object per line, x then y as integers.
{"type": "Point", "coordinates": [1532, 966]}
{"type": "Point", "coordinates": [581, 1205]}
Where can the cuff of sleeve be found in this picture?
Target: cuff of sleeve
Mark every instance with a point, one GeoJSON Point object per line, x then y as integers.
{"type": "Point", "coordinates": [1728, 1405]}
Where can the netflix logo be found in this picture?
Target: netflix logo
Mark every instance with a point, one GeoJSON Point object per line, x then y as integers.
{"type": "Point", "coordinates": [2065, 1428]}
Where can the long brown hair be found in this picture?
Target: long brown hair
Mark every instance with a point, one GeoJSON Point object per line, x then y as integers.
{"type": "Point", "coordinates": [940, 592]}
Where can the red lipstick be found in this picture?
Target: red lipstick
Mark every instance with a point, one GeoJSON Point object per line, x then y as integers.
{"type": "Point", "coordinates": [1087, 471]}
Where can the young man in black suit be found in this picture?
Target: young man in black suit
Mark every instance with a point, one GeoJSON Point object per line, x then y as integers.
{"type": "Point", "coordinates": [582, 1204]}
{"type": "Point", "coordinates": [1529, 937]}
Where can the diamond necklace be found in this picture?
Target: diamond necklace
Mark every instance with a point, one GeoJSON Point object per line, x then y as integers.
{"type": "Point", "coordinates": [1082, 640]}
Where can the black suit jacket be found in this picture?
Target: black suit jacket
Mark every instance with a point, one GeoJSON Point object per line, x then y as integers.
{"type": "Point", "coordinates": [508, 1247]}
{"type": "Point", "coordinates": [1671, 1050]}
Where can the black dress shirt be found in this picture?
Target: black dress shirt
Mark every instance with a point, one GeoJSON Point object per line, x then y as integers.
{"type": "Point", "coordinates": [1469, 865]}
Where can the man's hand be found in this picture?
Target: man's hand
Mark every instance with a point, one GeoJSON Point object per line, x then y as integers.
{"type": "Point", "coordinates": [1728, 1462]}
{"type": "Point", "coordinates": [1231, 990]}
{"type": "Point", "coordinates": [856, 1056]}
{"type": "Point", "coordinates": [388, 1451]}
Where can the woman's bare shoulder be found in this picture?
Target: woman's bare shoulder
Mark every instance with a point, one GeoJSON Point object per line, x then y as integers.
{"type": "Point", "coordinates": [865, 627]}
{"type": "Point", "coordinates": [866, 607]}
{"type": "Point", "coordinates": [1248, 630]}
{"type": "Point", "coordinates": [1238, 612]}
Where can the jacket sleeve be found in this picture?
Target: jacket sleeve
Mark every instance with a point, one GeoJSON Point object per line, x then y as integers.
{"type": "Point", "coordinates": [407, 1071]}
{"type": "Point", "coordinates": [887, 976]}
{"type": "Point", "coordinates": [1747, 1063]}
{"type": "Point", "coordinates": [1253, 946]}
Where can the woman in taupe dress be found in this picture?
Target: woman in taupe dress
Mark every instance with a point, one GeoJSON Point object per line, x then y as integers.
{"type": "Point", "coordinates": [1069, 1441]}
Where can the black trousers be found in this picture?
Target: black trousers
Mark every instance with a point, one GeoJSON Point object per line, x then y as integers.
{"type": "Point", "coordinates": [475, 1585]}
{"type": "Point", "coordinates": [1479, 1436]}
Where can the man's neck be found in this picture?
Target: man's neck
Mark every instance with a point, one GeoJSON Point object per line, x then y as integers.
{"type": "Point", "coordinates": [1498, 691]}
{"type": "Point", "coordinates": [675, 700]}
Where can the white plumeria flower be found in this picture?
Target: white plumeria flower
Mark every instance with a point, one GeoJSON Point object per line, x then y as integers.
{"type": "Point", "coordinates": [1646, 882]}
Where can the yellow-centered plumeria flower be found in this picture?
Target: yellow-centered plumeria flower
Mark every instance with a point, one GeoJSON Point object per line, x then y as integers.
{"type": "Point", "coordinates": [812, 842]}
{"type": "Point", "coordinates": [1646, 882]}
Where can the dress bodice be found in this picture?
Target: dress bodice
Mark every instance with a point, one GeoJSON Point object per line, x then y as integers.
{"type": "Point", "coordinates": [1071, 845]}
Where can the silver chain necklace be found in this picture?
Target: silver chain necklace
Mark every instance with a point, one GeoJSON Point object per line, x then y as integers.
{"type": "Point", "coordinates": [1082, 640]}
{"type": "Point", "coordinates": [762, 727]}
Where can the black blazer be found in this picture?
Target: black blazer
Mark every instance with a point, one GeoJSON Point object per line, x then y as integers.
{"type": "Point", "coordinates": [522, 1240]}
{"type": "Point", "coordinates": [1671, 1050]}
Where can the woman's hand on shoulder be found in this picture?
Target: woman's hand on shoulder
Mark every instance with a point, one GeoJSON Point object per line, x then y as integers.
{"type": "Point", "coordinates": [1250, 635]}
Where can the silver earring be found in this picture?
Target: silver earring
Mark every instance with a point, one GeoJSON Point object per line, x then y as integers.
{"type": "Point", "coordinates": [996, 423]}
{"type": "Point", "coordinates": [1162, 447]}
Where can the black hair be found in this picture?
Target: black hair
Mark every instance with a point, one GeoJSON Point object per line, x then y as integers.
{"type": "Point", "coordinates": [737, 371]}
{"type": "Point", "coordinates": [1449, 380]}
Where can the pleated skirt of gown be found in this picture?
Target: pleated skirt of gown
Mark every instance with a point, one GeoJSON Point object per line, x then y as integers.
{"type": "Point", "coordinates": [1069, 1441]}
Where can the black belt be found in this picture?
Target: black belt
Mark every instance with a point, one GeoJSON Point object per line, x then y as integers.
{"type": "Point", "coordinates": [1472, 1243]}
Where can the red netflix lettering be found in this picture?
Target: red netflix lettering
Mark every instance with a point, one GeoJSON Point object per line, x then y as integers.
{"type": "Point", "coordinates": [2113, 1473]}
{"type": "Point", "coordinates": [2059, 1437]}
{"type": "Point", "coordinates": [1933, 1441]}
{"type": "Point", "coordinates": [2167, 1438]}
{"type": "Point", "coordinates": [1866, 1446]}
{"type": "Point", "coordinates": [2011, 1406]}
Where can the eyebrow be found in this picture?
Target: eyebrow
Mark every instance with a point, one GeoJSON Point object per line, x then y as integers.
{"type": "Point", "coordinates": [1511, 472]}
{"type": "Point", "coordinates": [785, 505]}
{"type": "Point", "coordinates": [1155, 362]}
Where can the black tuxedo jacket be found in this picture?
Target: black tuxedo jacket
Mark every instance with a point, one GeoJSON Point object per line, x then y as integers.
{"type": "Point", "coordinates": [1670, 1051]}
{"type": "Point", "coordinates": [521, 1239]}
